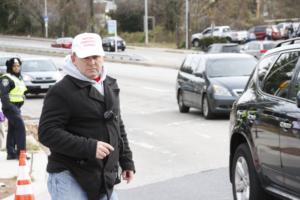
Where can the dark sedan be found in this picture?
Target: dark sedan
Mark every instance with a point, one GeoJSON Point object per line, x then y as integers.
{"type": "Point", "coordinates": [212, 82]}
{"type": "Point", "coordinates": [108, 43]}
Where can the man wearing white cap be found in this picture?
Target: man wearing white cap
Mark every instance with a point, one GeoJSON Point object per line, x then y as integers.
{"type": "Point", "coordinates": [82, 126]}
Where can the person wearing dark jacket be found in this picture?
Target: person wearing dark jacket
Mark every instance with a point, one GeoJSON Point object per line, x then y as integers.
{"type": "Point", "coordinates": [82, 126]}
{"type": "Point", "coordinates": [12, 88]}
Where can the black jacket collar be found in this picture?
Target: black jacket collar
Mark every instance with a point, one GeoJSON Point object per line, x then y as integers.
{"type": "Point", "coordinates": [109, 85]}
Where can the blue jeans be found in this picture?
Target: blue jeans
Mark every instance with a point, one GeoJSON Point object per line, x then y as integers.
{"type": "Point", "coordinates": [62, 186]}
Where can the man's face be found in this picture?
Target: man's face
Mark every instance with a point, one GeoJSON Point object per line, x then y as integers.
{"type": "Point", "coordinates": [90, 66]}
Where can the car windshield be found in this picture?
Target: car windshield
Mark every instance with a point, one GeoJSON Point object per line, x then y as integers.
{"type": "Point", "coordinates": [3, 60]}
{"type": "Point", "coordinates": [230, 67]}
{"type": "Point", "coordinates": [38, 66]}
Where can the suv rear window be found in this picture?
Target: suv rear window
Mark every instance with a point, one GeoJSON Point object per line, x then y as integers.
{"type": "Point", "coordinates": [231, 49]}
{"type": "Point", "coordinates": [269, 46]}
{"type": "Point", "coordinates": [260, 29]}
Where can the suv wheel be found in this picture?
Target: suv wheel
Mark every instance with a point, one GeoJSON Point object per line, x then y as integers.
{"type": "Point", "coordinates": [206, 108]}
{"type": "Point", "coordinates": [246, 185]}
{"type": "Point", "coordinates": [196, 43]}
{"type": "Point", "coordinates": [182, 108]}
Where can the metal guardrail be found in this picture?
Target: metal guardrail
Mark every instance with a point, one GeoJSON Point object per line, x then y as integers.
{"type": "Point", "coordinates": [118, 57]}
{"type": "Point", "coordinates": [64, 52]}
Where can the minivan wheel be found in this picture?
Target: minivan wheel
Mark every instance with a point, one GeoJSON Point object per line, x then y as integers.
{"type": "Point", "coordinates": [206, 108]}
{"type": "Point", "coordinates": [245, 182]}
{"type": "Point", "coordinates": [182, 108]}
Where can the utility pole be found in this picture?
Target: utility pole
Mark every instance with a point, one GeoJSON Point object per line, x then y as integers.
{"type": "Point", "coordinates": [146, 22]}
{"type": "Point", "coordinates": [186, 24]}
{"type": "Point", "coordinates": [258, 7]}
{"type": "Point", "coordinates": [92, 15]}
{"type": "Point", "coordinates": [46, 20]}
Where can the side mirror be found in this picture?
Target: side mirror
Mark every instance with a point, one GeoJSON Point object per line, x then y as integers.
{"type": "Point", "coordinates": [298, 99]}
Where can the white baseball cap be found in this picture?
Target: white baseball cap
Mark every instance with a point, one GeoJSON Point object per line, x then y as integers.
{"type": "Point", "coordinates": [87, 44]}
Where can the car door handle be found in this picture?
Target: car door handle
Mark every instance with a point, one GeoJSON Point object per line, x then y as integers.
{"type": "Point", "coordinates": [285, 125]}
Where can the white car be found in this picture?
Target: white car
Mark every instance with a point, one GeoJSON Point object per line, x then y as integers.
{"type": "Point", "coordinates": [219, 31]}
{"type": "Point", "coordinates": [39, 74]}
{"type": "Point", "coordinates": [239, 36]}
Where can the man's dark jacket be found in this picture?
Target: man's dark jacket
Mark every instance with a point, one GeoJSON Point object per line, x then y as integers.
{"type": "Point", "coordinates": [71, 123]}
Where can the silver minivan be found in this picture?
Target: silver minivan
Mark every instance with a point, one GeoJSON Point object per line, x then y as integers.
{"type": "Point", "coordinates": [39, 74]}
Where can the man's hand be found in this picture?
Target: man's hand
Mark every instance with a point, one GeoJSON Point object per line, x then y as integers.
{"type": "Point", "coordinates": [103, 149]}
{"type": "Point", "coordinates": [127, 175]}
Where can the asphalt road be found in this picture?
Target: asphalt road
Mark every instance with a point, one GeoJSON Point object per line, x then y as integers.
{"type": "Point", "coordinates": [206, 185]}
{"type": "Point", "coordinates": [177, 156]}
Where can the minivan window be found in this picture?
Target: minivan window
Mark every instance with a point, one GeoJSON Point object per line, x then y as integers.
{"type": "Point", "coordinates": [278, 79]}
{"type": "Point", "coordinates": [186, 67]}
{"type": "Point", "coordinates": [230, 67]}
{"type": "Point", "coordinates": [194, 63]}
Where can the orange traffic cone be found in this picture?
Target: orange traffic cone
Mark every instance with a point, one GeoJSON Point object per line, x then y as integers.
{"type": "Point", "coordinates": [24, 188]}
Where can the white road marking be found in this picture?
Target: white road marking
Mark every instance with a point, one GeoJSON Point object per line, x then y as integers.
{"type": "Point", "coordinates": [179, 123]}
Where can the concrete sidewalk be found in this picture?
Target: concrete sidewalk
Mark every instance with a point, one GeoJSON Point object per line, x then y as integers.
{"type": "Point", "coordinates": [9, 169]}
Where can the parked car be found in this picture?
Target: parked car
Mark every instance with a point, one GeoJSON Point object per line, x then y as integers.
{"type": "Point", "coordinates": [3, 64]}
{"type": "Point", "coordinates": [212, 82]}
{"type": "Point", "coordinates": [39, 74]}
{"type": "Point", "coordinates": [239, 36]}
{"type": "Point", "coordinates": [265, 129]}
{"type": "Point", "coordinates": [261, 32]}
{"type": "Point", "coordinates": [108, 43]}
{"type": "Point", "coordinates": [220, 31]}
{"type": "Point", "coordinates": [284, 28]}
{"type": "Point", "coordinates": [65, 42]}
{"type": "Point", "coordinates": [223, 48]}
{"type": "Point", "coordinates": [258, 48]}
{"type": "Point", "coordinates": [297, 32]}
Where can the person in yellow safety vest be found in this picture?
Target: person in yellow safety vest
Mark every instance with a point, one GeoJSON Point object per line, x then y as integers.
{"type": "Point", "coordinates": [12, 89]}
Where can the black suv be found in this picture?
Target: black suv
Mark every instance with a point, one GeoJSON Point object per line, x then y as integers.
{"type": "Point", "coordinates": [265, 128]}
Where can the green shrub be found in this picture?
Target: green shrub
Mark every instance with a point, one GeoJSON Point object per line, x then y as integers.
{"type": "Point", "coordinates": [206, 41]}
{"type": "Point", "coordinates": [134, 37]}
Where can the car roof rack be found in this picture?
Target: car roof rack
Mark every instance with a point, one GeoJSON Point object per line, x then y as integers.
{"type": "Point", "coordinates": [289, 41]}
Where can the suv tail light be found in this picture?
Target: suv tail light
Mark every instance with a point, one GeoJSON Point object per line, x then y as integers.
{"type": "Point", "coordinates": [263, 51]}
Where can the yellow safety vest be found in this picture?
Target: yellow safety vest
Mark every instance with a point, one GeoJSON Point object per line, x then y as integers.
{"type": "Point", "coordinates": [16, 94]}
